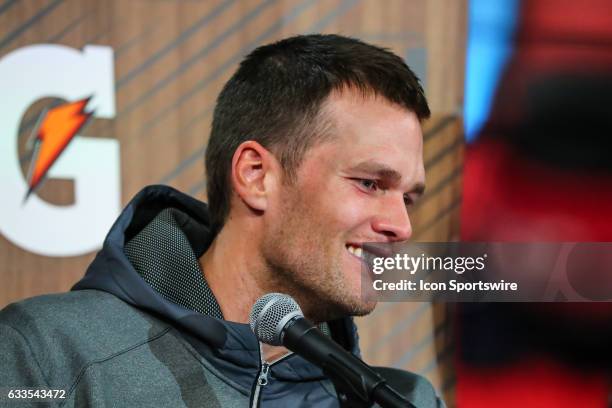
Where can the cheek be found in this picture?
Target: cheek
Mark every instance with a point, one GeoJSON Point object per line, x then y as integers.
{"type": "Point", "coordinates": [335, 204]}
{"type": "Point", "coordinates": [350, 210]}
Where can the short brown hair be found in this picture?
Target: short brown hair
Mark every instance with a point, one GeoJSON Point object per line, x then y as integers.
{"type": "Point", "coordinates": [276, 95]}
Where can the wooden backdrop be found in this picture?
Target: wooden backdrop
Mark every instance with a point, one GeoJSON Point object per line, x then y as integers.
{"type": "Point", "coordinates": [171, 59]}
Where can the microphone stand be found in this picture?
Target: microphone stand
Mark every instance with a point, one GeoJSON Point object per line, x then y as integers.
{"type": "Point", "coordinates": [367, 394]}
{"type": "Point", "coordinates": [356, 383]}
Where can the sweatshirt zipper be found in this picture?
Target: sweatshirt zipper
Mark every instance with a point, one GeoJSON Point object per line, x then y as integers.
{"type": "Point", "coordinates": [262, 377]}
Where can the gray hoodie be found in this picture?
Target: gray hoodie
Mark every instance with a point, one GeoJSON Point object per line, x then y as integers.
{"type": "Point", "coordinates": [142, 329]}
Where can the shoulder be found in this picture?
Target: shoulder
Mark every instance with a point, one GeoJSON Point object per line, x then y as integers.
{"type": "Point", "coordinates": [65, 332]}
{"type": "Point", "coordinates": [79, 312]}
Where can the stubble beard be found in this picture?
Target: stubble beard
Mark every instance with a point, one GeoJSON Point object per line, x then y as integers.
{"type": "Point", "coordinates": [306, 264]}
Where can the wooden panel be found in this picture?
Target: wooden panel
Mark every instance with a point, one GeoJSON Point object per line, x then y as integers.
{"type": "Point", "coordinates": [171, 59]}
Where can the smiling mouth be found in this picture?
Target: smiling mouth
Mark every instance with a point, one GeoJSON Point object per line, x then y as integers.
{"type": "Point", "coordinates": [355, 251]}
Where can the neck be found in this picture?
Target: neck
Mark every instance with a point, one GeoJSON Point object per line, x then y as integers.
{"type": "Point", "coordinates": [230, 271]}
{"type": "Point", "coordinates": [231, 267]}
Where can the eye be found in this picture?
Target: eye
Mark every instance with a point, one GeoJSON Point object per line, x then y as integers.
{"type": "Point", "coordinates": [370, 185]}
{"type": "Point", "coordinates": [408, 201]}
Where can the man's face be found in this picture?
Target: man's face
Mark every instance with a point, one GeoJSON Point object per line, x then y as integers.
{"type": "Point", "coordinates": [353, 188]}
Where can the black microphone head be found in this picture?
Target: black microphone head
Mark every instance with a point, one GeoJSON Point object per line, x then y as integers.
{"type": "Point", "coordinates": [269, 316]}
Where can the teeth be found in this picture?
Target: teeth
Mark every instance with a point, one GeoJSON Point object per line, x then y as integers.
{"type": "Point", "coordinates": [355, 250]}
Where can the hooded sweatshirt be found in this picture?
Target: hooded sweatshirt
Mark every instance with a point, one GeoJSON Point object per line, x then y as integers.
{"type": "Point", "coordinates": [143, 329]}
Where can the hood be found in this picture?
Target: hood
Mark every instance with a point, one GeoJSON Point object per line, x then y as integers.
{"type": "Point", "coordinates": [229, 346]}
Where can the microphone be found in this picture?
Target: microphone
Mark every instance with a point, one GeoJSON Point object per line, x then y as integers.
{"type": "Point", "coordinates": [277, 319]}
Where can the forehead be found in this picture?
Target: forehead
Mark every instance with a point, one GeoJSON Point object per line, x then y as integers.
{"type": "Point", "coordinates": [370, 128]}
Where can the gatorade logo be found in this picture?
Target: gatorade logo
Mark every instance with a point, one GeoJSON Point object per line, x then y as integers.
{"type": "Point", "coordinates": [85, 80]}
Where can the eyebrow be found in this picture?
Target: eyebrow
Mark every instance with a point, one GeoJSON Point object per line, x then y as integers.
{"type": "Point", "coordinates": [385, 172]}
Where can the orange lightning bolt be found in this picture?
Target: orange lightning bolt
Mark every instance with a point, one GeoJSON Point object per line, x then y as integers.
{"type": "Point", "coordinates": [56, 130]}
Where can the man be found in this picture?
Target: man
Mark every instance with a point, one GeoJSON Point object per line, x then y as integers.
{"type": "Point", "coordinates": [316, 148]}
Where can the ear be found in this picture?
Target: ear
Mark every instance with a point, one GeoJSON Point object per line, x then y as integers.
{"type": "Point", "coordinates": [253, 174]}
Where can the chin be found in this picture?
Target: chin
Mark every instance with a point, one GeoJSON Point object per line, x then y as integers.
{"type": "Point", "coordinates": [360, 301]}
{"type": "Point", "coordinates": [352, 306]}
{"type": "Point", "coordinates": [331, 308]}
{"type": "Point", "coordinates": [364, 308]}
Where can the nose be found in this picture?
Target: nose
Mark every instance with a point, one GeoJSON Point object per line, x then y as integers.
{"type": "Point", "coordinates": [393, 220]}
